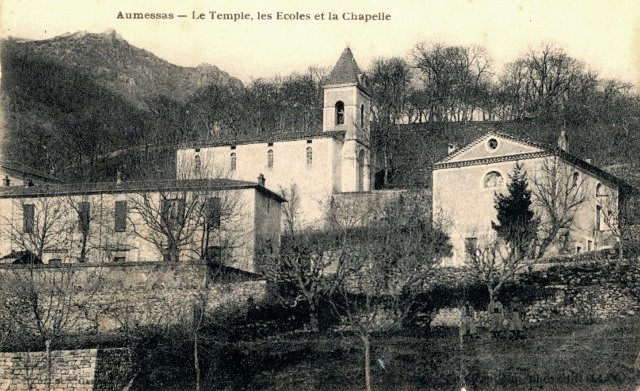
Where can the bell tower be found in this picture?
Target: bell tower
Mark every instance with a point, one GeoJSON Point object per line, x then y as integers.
{"type": "Point", "coordinates": [347, 107]}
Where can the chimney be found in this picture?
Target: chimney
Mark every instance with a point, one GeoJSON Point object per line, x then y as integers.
{"type": "Point", "coordinates": [261, 180]}
{"type": "Point", "coordinates": [6, 181]}
{"type": "Point", "coordinates": [118, 177]}
{"type": "Point", "coordinates": [27, 182]}
{"type": "Point", "coordinates": [451, 148]}
{"type": "Point", "coordinates": [563, 140]}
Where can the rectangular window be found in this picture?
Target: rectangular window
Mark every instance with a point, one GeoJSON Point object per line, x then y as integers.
{"type": "Point", "coordinates": [84, 216]}
{"type": "Point", "coordinates": [214, 211]}
{"type": "Point", "coordinates": [598, 218]}
{"type": "Point", "coordinates": [28, 216]}
{"type": "Point", "coordinates": [589, 245]}
{"type": "Point", "coordinates": [563, 241]}
{"type": "Point", "coordinates": [173, 211]}
{"type": "Point", "coordinates": [121, 216]}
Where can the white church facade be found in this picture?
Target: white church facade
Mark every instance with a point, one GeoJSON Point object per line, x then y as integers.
{"type": "Point", "coordinates": [466, 181]}
{"type": "Point", "coordinates": [312, 166]}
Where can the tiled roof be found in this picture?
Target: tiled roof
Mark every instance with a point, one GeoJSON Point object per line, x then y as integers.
{"type": "Point", "coordinates": [262, 138]}
{"type": "Point", "coordinates": [26, 171]}
{"type": "Point", "coordinates": [346, 70]}
{"type": "Point", "coordinates": [49, 190]}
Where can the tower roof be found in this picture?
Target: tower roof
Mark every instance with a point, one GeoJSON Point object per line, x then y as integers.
{"type": "Point", "coordinates": [346, 70]}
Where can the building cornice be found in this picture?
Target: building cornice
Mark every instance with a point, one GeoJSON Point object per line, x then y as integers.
{"type": "Point", "coordinates": [133, 187]}
{"type": "Point", "coordinates": [273, 138]}
{"type": "Point", "coordinates": [497, 159]}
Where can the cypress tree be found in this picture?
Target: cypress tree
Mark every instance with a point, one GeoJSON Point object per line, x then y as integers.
{"type": "Point", "coordinates": [516, 223]}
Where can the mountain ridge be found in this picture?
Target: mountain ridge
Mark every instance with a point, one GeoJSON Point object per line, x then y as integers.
{"type": "Point", "coordinates": [70, 99]}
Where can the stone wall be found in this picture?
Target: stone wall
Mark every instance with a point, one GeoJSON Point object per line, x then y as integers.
{"type": "Point", "coordinates": [588, 292]}
{"type": "Point", "coordinates": [373, 203]}
{"type": "Point", "coordinates": [585, 291]}
{"type": "Point", "coordinates": [90, 298]}
{"type": "Point", "coordinates": [73, 370]}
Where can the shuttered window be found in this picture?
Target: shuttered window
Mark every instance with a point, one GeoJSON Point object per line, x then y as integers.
{"type": "Point", "coordinates": [84, 216]}
{"type": "Point", "coordinates": [120, 216]}
{"type": "Point", "coordinates": [214, 210]}
{"type": "Point", "coordinates": [28, 216]}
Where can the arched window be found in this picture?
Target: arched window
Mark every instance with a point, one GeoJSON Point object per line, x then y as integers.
{"type": "Point", "coordinates": [270, 158]}
{"type": "Point", "coordinates": [339, 112]}
{"type": "Point", "coordinates": [197, 165]}
{"type": "Point", "coordinates": [362, 115]}
{"type": "Point", "coordinates": [600, 190]}
{"type": "Point", "coordinates": [493, 179]}
{"type": "Point", "coordinates": [233, 161]}
{"type": "Point", "coordinates": [309, 156]}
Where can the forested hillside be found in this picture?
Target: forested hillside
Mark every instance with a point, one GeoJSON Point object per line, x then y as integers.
{"type": "Point", "coordinates": [85, 105]}
{"type": "Point", "coordinates": [71, 100]}
{"type": "Point", "coordinates": [443, 94]}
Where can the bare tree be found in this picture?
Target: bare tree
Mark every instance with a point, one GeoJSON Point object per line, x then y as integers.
{"type": "Point", "coordinates": [540, 82]}
{"type": "Point", "coordinates": [86, 210]}
{"type": "Point", "coordinates": [619, 213]}
{"type": "Point", "coordinates": [559, 191]}
{"type": "Point", "coordinates": [390, 259]}
{"type": "Point", "coordinates": [309, 264]}
{"type": "Point", "coordinates": [291, 209]}
{"type": "Point", "coordinates": [454, 79]}
{"type": "Point", "coordinates": [72, 226]}
{"type": "Point", "coordinates": [41, 224]}
{"type": "Point", "coordinates": [188, 217]}
{"type": "Point", "coordinates": [180, 221]}
{"type": "Point", "coordinates": [216, 297]}
{"type": "Point", "coordinates": [494, 264]}
{"type": "Point", "coordinates": [389, 84]}
{"type": "Point", "coordinates": [512, 90]}
{"type": "Point", "coordinates": [45, 304]}
{"type": "Point", "coordinates": [312, 262]}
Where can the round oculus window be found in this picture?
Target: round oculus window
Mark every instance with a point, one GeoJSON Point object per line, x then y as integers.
{"type": "Point", "coordinates": [492, 143]}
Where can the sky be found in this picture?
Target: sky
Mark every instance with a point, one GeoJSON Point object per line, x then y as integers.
{"type": "Point", "coordinates": [603, 34]}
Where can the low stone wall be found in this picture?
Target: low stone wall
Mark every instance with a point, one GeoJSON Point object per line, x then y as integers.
{"type": "Point", "coordinates": [599, 290]}
{"type": "Point", "coordinates": [130, 308]}
{"type": "Point", "coordinates": [89, 298]}
{"type": "Point", "coordinates": [586, 291]}
{"type": "Point", "coordinates": [73, 370]}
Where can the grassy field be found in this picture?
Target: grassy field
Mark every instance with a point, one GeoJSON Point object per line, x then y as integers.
{"type": "Point", "coordinates": [554, 356]}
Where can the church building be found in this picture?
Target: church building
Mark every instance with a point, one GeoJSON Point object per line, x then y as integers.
{"type": "Point", "coordinates": [466, 181]}
{"type": "Point", "coordinates": [307, 169]}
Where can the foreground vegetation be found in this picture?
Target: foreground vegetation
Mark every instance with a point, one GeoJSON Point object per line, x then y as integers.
{"type": "Point", "coordinates": [558, 355]}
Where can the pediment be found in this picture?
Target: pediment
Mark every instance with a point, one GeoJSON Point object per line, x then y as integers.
{"type": "Point", "coordinates": [492, 145]}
